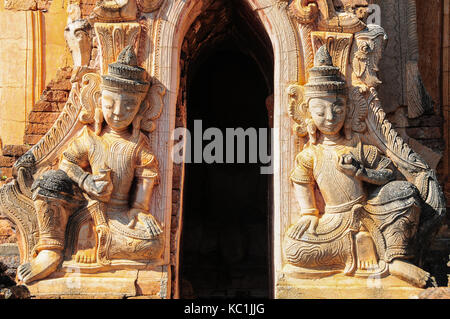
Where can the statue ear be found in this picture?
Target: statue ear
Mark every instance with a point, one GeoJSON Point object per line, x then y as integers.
{"type": "Point", "coordinates": [296, 109]}
{"type": "Point", "coordinates": [99, 100]}
{"type": "Point", "coordinates": [304, 108]}
{"type": "Point", "coordinates": [152, 107]}
{"type": "Point", "coordinates": [312, 131]}
{"type": "Point", "coordinates": [90, 95]}
{"type": "Point", "coordinates": [98, 117]}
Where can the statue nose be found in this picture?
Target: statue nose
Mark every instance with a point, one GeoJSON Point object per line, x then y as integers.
{"type": "Point", "coordinates": [330, 116]}
{"type": "Point", "coordinates": [118, 109]}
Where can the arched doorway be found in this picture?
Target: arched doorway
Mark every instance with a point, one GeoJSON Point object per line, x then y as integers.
{"type": "Point", "coordinates": [227, 76]}
{"type": "Point", "coordinates": [168, 63]}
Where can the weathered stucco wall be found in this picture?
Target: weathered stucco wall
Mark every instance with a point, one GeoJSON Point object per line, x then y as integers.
{"type": "Point", "coordinates": [32, 50]}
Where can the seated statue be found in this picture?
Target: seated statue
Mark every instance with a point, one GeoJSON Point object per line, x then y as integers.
{"type": "Point", "coordinates": [110, 170]}
{"type": "Point", "coordinates": [369, 221]}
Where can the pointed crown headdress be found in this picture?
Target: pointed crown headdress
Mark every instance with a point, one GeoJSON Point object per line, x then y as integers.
{"type": "Point", "coordinates": [324, 77]}
{"type": "Point", "coordinates": [125, 73]}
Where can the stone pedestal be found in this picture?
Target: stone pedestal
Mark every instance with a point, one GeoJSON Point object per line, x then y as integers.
{"type": "Point", "coordinates": [113, 285]}
{"type": "Point", "coordinates": [343, 287]}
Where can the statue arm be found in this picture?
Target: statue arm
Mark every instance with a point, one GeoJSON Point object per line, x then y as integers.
{"type": "Point", "coordinates": [75, 162]}
{"type": "Point", "coordinates": [140, 205]}
{"type": "Point", "coordinates": [74, 171]}
{"type": "Point", "coordinates": [98, 186]}
{"type": "Point", "coordinates": [372, 167]}
{"type": "Point", "coordinates": [143, 194]}
{"type": "Point", "coordinates": [146, 177]}
{"type": "Point", "coordinates": [374, 176]}
{"type": "Point", "coordinates": [377, 169]}
{"type": "Point", "coordinates": [303, 180]}
{"type": "Point", "coordinates": [309, 213]}
{"type": "Point", "coordinates": [304, 194]}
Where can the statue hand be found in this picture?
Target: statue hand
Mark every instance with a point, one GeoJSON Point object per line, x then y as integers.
{"type": "Point", "coordinates": [307, 223]}
{"type": "Point", "coordinates": [99, 186]}
{"type": "Point", "coordinates": [147, 220]}
{"type": "Point", "coordinates": [348, 164]}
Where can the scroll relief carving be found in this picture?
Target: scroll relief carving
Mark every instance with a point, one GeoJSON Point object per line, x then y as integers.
{"type": "Point", "coordinates": [324, 14]}
{"type": "Point", "coordinates": [389, 204]}
{"type": "Point", "coordinates": [123, 10]}
{"type": "Point", "coordinates": [81, 196]}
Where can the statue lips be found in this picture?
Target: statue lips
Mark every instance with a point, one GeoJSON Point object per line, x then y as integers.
{"type": "Point", "coordinates": [330, 128]}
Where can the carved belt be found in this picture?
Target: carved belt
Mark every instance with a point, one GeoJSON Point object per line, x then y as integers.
{"type": "Point", "coordinates": [344, 207]}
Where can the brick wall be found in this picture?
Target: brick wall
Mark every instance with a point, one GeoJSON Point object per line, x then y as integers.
{"type": "Point", "coordinates": [24, 5]}
{"type": "Point", "coordinates": [47, 109]}
{"type": "Point", "coordinates": [41, 118]}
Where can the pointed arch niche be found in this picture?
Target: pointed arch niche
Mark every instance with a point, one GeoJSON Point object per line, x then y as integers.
{"type": "Point", "coordinates": [174, 21]}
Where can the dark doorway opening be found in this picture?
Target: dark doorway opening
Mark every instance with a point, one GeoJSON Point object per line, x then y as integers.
{"type": "Point", "coordinates": [226, 235]}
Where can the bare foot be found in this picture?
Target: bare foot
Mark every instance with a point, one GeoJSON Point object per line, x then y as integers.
{"type": "Point", "coordinates": [410, 273]}
{"type": "Point", "coordinates": [86, 256]}
{"type": "Point", "coordinates": [366, 252]}
{"type": "Point", "coordinates": [40, 267]}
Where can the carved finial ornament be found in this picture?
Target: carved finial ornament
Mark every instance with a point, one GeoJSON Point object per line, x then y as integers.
{"type": "Point", "coordinates": [324, 13]}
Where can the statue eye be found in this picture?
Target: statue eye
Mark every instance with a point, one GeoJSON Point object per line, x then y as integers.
{"type": "Point", "coordinates": [107, 104]}
{"type": "Point", "coordinates": [321, 114]}
{"type": "Point", "coordinates": [130, 105]}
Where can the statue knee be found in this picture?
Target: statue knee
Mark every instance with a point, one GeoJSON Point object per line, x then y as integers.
{"type": "Point", "coordinates": [55, 197]}
{"type": "Point", "coordinates": [394, 191]}
{"type": "Point", "coordinates": [56, 185]}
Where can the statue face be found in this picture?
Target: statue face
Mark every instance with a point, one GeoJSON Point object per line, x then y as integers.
{"type": "Point", "coordinates": [120, 108]}
{"type": "Point", "coordinates": [328, 113]}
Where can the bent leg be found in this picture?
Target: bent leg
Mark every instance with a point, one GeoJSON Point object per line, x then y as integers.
{"type": "Point", "coordinates": [324, 255]}
{"type": "Point", "coordinates": [55, 198]}
{"type": "Point", "coordinates": [395, 212]}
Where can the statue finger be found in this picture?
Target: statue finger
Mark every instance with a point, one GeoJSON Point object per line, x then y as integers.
{"type": "Point", "coordinates": [312, 228]}
{"type": "Point", "coordinates": [156, 230]}
{"type": "Point", "coordinates": [301, 230]}
{"type": "Point", "coordinates": [96, 177]}
{"type": "Point", "coordinates": [151, 226]}
{"type": "Point", "coordinates": [101, 186]}
{"type": "Point", "coordinates": [132, 222]}
{"type": "Point", "coordinates": [348, 169]}
{"type": "Point", "coordinates": [293, 232]}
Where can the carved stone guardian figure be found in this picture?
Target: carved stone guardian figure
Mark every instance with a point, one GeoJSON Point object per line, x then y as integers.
{"type": "Point", "coordinates": [369, 221]}
{"type": "Point", "coordinates": [97, 171]}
